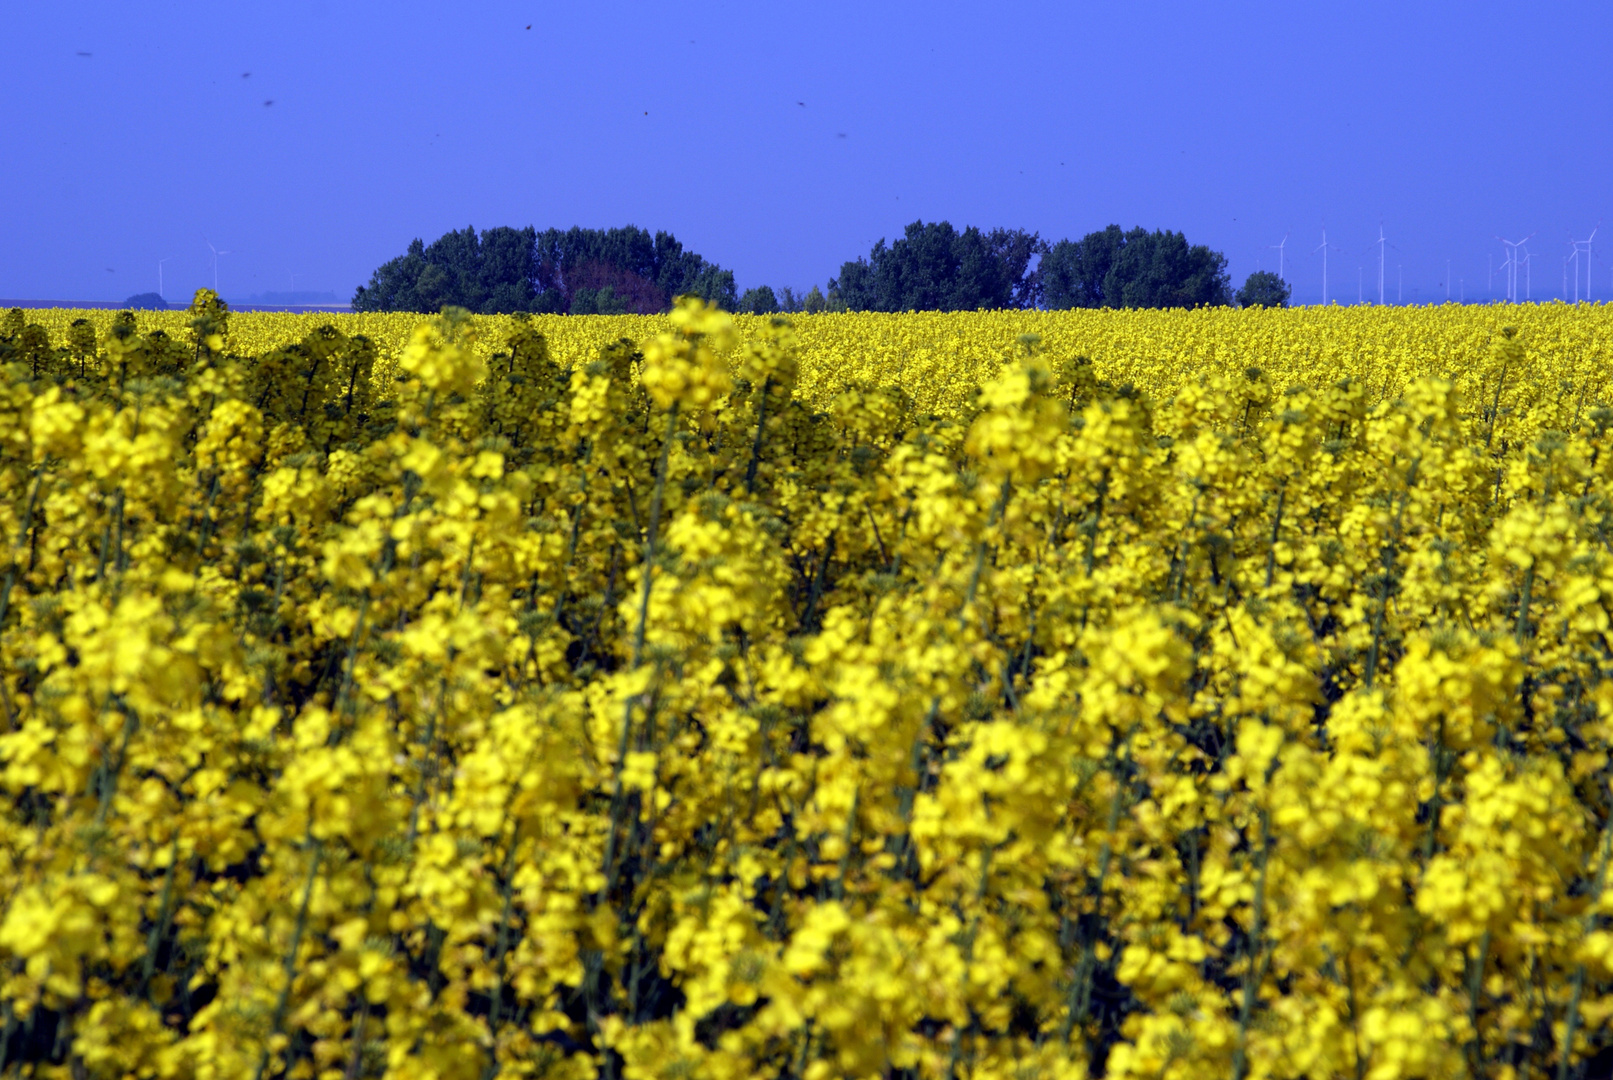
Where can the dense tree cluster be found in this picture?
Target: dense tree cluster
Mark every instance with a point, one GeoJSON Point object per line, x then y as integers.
{"type": "Point", "coordinates": [577, 271]}
{"type": "Point", "coordinates": [930, 267]}
{"type": "Point", "coordinates": [934, 267]}
{"type": "Point", "coordinates": [1136, 269]}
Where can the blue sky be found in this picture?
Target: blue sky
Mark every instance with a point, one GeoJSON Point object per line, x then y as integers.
{"type": "Point", "coordinates": [781, 140]}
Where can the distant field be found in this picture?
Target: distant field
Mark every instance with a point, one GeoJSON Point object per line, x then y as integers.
{"type": "Point", "coordinates": [938, 356]}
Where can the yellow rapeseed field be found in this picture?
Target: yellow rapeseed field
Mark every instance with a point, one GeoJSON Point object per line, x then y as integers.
{"type": "Point", "coordinates": [1145, 694]}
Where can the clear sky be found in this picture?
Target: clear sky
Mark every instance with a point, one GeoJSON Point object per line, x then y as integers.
{"type": "Point", "coordinates": [780, 140]}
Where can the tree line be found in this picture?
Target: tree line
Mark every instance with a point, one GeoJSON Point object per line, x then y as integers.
{"type": "Point", "coordinates": [930, 267]}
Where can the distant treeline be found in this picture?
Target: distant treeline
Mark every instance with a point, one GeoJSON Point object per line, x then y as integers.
{"type": "Point", "coordinates": [931, 267]}
{"type": "Point", "coordinates": [578, 271]}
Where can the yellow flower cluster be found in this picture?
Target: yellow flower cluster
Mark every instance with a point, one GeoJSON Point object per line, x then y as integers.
{"type": "Point", "coordinates": [1129, 694]}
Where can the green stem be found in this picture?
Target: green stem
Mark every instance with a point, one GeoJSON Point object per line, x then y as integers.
{"type": "Point", "coordinates": [1475, 987]}
{"type": "Point", "coordinates": [164, 912]}
{"type": "Point", "coordinates": [291, 959]}
{"type": "Point", "coordinates": [968, 956]}
{"type": "Point", "coordinates": [1080, 986]}
{"type": "Point", "coordinates": [649, 535]}
{"type": "Point", "coordinates": [495, 1015]}
{"type": "Point", "coordinates": [1276, 525]}
{"type": "Point", "coordinates": [756, 444]}
{"type": "Point", "coordinates": [1598, 885]}
{"type": "Point", "coordinates": [22, 535]}
{"type": "Point", "coordinates": [980, 554]}
{"type": "Point", "coordinates": [1251, 977]}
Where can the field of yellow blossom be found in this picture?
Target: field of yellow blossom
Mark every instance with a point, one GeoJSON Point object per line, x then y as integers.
{"type": "Point", "coordinates": [1139, 694]}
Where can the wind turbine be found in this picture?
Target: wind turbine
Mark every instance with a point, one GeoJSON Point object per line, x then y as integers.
{"type": "Point", "coordinates": [1280, 248]}
{"type": "Point", "coordinates": [216, 253]}
{"type": "Point", "coordinates": [159, 274]}
{"type": "Point", "coordinates": [1382, 243]}
{"type": "Point", "coordinates": [1323, 249]}
{"type": "Point", "coordinates": [1584, 245]}
{"type": "Point", "coordinates": [1511, 265]}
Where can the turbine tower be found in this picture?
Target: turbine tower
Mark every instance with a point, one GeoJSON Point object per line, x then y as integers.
{"type": "Point", "coordinates": [1382, 244]}
{"type": "Point", "coordinates": [216, 253]}
{"type": "Point", "coordinates": [1280, 248]}
{"type": "Point", "coordinates": [1585, 246]}
{"type": "Point", "coordinates": [1511, 265]}
{"type": "Point", "coordinates": [159, 275]}
{"type": "Point", "coordinates": [1323, 247]}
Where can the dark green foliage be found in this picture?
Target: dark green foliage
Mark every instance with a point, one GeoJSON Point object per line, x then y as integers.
{"type": "Point", "coordinates": [602, 301]}
{"type": "Point", "coordinates": [582, 271]}
{"type": "Point", "coordinates": [1264, 289]}
{"type": "Point", "coordinates": [936, 268]}
{"type": "Point", "coordinates": [146, 301]}
{"type": "Point", "coordinates": [495, 273]}
{"type": "Point", "coordinates": [759, 301]}
{"type": "Point", "coordinates": [1139, 268]}
{"type": "Point", "coordinates": [645, 273]}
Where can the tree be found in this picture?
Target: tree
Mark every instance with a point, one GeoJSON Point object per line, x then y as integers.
{"type": "Point", "coordinates": [146, 301]}
{"type": "Point", "coordinates": [508, 270]}
{"type": "Point", "coordinates": [647, 272]}
{"type": "Point", "coordinates": [493, 273]}
{"type": "Point", "coordinates": [933, 267]}
{"type": "Point", "coordinates": [1139, 268]}
{"type": "Point", "coordinates": [603, 301]}
{"type": "Point", "coordinates": [1264, 289]}
{"type": "Point", "coordinates": [759, 301]}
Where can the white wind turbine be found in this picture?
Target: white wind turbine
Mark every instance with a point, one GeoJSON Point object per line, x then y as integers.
{"type": "Point", "coordinates": [159, 276]}
{"type": "Point", "coordinates": [1382, 244]}
{"type": "Point", "coordinates": [1511, 265]}
{"type": "Point", "coordinates": [216, 253]}
{"type": "Point", "coordinates": [1585, 246]}
{"type": "Point", "coordinates": [1280, 248]}
{"type": "Point", "coordinates": [1323, 248]}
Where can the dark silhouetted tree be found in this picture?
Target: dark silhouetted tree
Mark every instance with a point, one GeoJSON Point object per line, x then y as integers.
{"type": "Point", "coordinates": [759, 301]}
{"type": "Point", "coordinates": [936, 268]}
{"type": "Point", "coordinates": [508, 270]}
{"type": "Point", "coordinates": [1263, 289]}
{"type": "Point", "coordinates": [494, 273]}
{"type": "Point", "coordinates": [1139, 268]}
